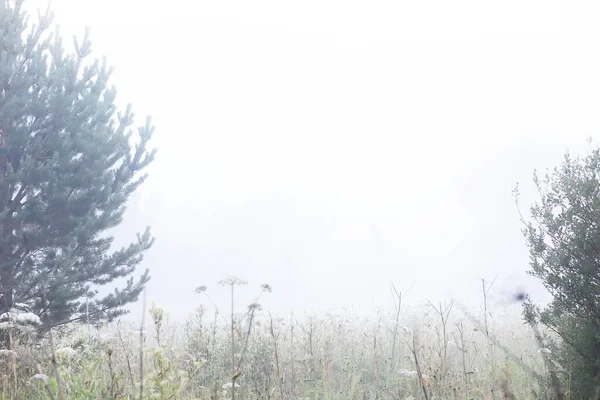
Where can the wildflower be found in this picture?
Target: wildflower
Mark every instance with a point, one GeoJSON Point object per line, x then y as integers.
{"type": "Point", "coordinates": [18, 318]}
{"type": "Point", "coordinates": [200, 289]}
{"type": "Point", "coordinates": [66, 352]}
{"type": "Point", "coordinates": [22, 306]}
{"type": "Point", "coordinates": [231, 281]}
{"type": "Point", "coordinates": [28, 318]}
{"type": "Point", "coordinates": [266, 288]}
{"type": "Point", "coordinates": [229, 385]}
{"type": "Point", "coordinates": [408, 373]}
{"type": "Point", "coordinates": [42, 377]}
{"type": "Point", "coordinates": [254, 307]}
{"type": "Point", "coordinates": [6, 352]}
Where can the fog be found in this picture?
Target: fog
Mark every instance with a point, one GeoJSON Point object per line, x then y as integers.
{"type": "Point", "coordinates": [330, 147]}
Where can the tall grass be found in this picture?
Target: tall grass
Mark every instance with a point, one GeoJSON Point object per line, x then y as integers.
{"type": "Point", "coordinates": [432, 353]}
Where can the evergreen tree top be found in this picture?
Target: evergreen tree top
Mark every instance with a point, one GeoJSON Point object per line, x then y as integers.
{"type": "Point", "coordinates": [69, 160]}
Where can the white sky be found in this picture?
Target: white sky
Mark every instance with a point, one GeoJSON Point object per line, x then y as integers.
{"type": "Point", "coordinates": [328, 147]}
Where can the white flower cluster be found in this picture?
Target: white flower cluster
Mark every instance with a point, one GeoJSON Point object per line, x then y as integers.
{"type": "Point", "coordinates": [42, 377]}
{"type": "Point", "coordinates": [19, 317]}
{"type": "Point", "coordinates": [408, 373]}
{"type": "Point", "coordinates": [66, 352]}
{"type": "Point", "coordinates": [412, 374]}
{"type": "Point", "coordinates": [6, 352]}
{"type": "Point", "coordinates": [229, 385]}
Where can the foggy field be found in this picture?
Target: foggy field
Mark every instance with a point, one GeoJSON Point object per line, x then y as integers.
{"type": "Point", "coordinates": [327, 356]}
{"type": "Point", "coordinates": [411, 189]}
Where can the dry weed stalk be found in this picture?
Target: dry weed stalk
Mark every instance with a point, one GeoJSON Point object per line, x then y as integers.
{"type": "Point", "coordinates": [444, 314]}
{"type": "Point", "coordinates": [414, 349]}
{"type": "Point", "coordinates": [142, 347]}
{"type": "Point", "coordinates": [45, 382]}
{"type": "Point", "coordinates": [279, 378]}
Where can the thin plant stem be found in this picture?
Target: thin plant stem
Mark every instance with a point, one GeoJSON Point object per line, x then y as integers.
{"type": "Point", "coordinates": [272, 330]}
{"type": "Point", "coordinates": [142, 348]}
{"type": "Point", "coordinates": [61, 394]}
{"type": "Point", "coordinates": [45, 381]}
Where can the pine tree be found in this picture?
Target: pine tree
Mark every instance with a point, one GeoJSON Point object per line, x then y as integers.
{"type": "Point", "coordinates": [563, 237]}
{"type": "Point", "coordinates": [68, 163]}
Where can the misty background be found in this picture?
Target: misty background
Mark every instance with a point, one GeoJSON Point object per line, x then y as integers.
{"type": "Point", "coordinates": [328, 148]}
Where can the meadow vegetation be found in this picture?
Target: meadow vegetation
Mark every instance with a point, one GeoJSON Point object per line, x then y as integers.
{"type": "Point", "coordinates": [441, 351]}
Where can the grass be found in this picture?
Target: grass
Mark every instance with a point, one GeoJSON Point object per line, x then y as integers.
{"type": "Point", "coordinates": [437, 352]}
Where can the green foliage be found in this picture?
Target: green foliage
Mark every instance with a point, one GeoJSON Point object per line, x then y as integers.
{"type": "Point", "coordinates": [166, 381]}
{"type": "Point", "coordinates": [563, 237]}
{"type": "Point", "coordinates": [68, 164]}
